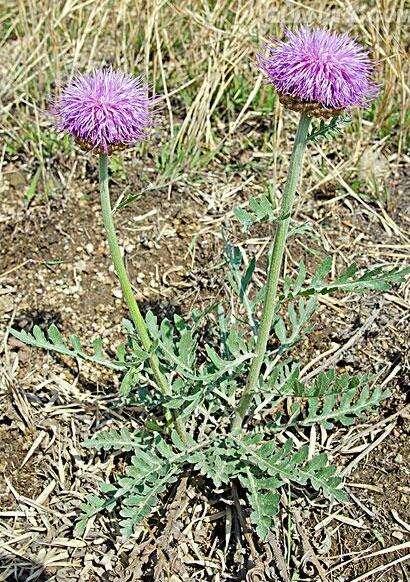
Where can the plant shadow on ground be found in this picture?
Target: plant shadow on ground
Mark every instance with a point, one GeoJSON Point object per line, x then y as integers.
{"type": "Point", "coordinates": [182, 520]}
{"type": "Point", "coordinates": [19, 569]}
{"type": "Point", "coordinates": [27, 319]}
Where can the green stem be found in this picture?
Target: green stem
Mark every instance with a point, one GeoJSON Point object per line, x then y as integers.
{"type": "Point", "coordinates": [275, 265]}
{"type": "Point", "coordinates": [127, 291]}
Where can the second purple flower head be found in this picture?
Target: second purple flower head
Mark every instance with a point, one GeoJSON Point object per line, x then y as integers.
{"type": "Point", "coordinates": [104, 110]}
{"type": "Point", "coordinates": [315, 66]}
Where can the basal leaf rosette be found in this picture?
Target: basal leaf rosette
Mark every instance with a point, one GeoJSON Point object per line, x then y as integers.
{"type": "Point", "coordinates": [105, 110]}
{"type": "Point", "coordinates": [319, 72]}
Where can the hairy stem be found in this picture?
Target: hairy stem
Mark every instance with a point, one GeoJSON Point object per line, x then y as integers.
{"type": "Point", "coordinates": [275, 265]}
{"type": "Point", "coordinates": [127, 291]}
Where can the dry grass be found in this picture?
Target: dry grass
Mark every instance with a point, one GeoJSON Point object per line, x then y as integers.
{"type": "Point", "coordinates": [221, 137]}
{"type": "Point", "coordinates": [198, 55]}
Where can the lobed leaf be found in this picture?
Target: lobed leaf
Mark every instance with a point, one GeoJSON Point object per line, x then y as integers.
{"type": "Point", "coordinates": [93, 505]}
{"type": "Point", "coordinates": [263, 501]}
{"type": "Point", "coordinates": [119, 440]}
{"type": "Point", "coordinates": [329, 129]}
{"type": "Point", "coordinates": [375, 279]}
{"type": "Point", "coordinates": [287, 465]}
{"type": "Point", "coordinates": [260, 208]}
{"type": "Point", "coordinates": [54, 341]}
{"type": "Point", "coordinates": [333, 398]}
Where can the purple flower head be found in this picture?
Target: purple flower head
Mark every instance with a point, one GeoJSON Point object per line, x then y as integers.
{"type": "Point", "coordinates": [314, 65]}
{"type": "Point", "coordinates": [104, 110]}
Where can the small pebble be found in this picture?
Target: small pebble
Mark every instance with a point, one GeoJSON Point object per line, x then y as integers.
{"type": "Point", "coordinates": [398, 535]}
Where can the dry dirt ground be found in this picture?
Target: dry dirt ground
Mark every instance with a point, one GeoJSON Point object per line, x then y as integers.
{"type": "Point", "coordinates": [54, 268]}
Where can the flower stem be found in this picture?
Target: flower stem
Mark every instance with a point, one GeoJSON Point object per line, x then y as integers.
{"type": "Point", "coordinates": [128, 293]}
{"type": "Point", "coordinates": [275, 265]}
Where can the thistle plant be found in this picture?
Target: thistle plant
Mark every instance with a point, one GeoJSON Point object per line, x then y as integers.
{"type": "Point", "coordinates": [318, 74]}
{"type": "Point", "coordinates": [227, 407]}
